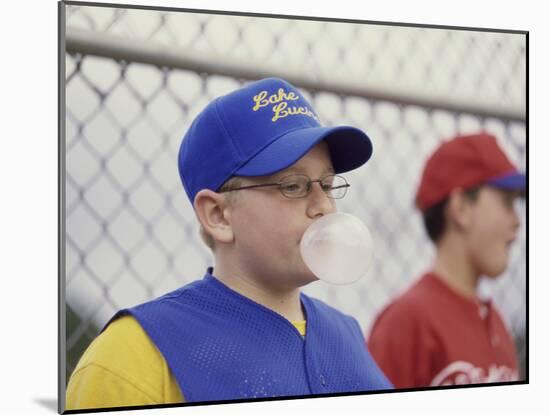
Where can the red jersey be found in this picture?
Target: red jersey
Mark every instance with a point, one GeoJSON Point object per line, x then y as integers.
{"type": "Point", "coordinates": [431, 335]}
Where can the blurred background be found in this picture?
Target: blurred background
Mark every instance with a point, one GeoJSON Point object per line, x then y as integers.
{"type": "Point", "coordinates": [135, 79]}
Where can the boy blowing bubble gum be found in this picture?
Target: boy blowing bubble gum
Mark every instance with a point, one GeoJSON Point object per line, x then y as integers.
{"type": "Point", "coordinates": [439, 332]}
{"type": "Point", "coordinates": [259, 169]}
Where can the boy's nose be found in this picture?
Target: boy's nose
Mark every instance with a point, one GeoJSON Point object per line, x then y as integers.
{"type": "Point", "coordinates": [516, 223]}
{"type": "Point", "coordinates": [319, 204]}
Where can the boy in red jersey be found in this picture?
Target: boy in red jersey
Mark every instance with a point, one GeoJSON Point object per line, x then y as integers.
{"type": "Point", "coordinates": [439, 332]}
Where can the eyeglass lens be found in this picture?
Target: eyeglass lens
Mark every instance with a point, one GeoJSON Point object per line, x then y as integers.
{"type": "Point", "coordinates": [299, 185]}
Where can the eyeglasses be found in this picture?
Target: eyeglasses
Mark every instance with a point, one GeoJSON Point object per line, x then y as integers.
{"type": "Point", "coordinates": [297, 186]}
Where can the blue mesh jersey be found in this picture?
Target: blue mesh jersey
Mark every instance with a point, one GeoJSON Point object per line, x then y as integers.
{"type": "Point", "coordinates": [221, 345]}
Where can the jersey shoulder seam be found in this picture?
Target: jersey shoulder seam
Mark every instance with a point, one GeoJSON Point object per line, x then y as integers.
{"type": "Point", "coordinates": [118, 375]}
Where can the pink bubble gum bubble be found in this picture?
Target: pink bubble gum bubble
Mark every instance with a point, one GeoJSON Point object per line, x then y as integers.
{"type": "Point", "coordinates": [337, 248]}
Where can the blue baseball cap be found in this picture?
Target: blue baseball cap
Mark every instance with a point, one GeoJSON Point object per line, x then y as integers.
{"type": "Point", "coordinates": [258, 130]}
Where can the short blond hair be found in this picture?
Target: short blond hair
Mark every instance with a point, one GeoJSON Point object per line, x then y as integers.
{"type": "Point", "coordinates": [230, 200]}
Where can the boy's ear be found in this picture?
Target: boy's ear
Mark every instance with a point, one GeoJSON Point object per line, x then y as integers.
{"type": "Point", "coordinates": [458, 209]}
{"type": "Point", "coordinates": [211, 211]}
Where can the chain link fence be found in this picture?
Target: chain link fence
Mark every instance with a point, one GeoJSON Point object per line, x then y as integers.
{"type": "Point", "coordinates": [131, 234]}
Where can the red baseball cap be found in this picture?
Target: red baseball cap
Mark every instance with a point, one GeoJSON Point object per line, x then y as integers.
{"type": "Point", "coordinates": [464, 162]}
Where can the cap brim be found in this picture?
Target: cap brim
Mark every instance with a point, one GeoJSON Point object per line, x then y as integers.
{"type": "Point", "coordinates": [513, 182]}
{"type": "Point", "coordinates": [349, 148]}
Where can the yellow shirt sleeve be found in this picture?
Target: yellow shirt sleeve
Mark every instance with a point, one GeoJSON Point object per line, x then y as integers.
{"type": "Point", "coordinates": [123, 367]}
